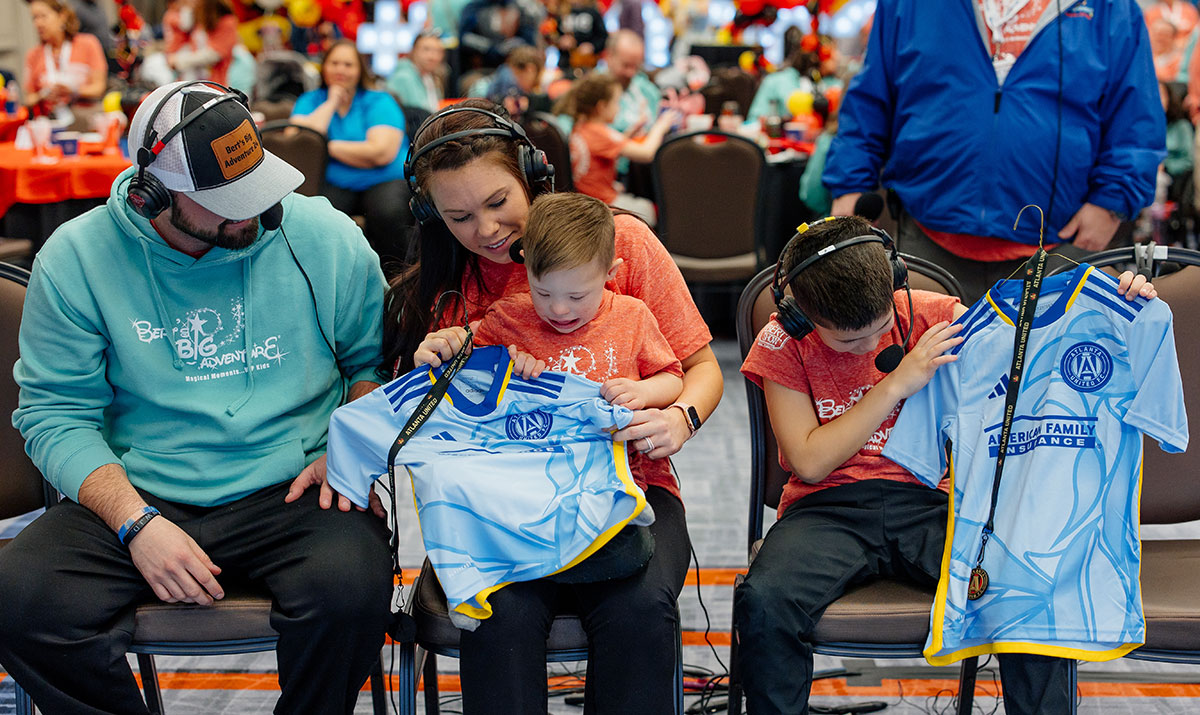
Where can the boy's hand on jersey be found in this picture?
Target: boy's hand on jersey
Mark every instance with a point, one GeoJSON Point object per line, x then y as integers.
{"type": "Point", "coordinates": [624, 392]}
{"type": "Point", "coordinates": [524, 364]}
{"type": "Point", "coordinates": [440, 346]}
{"type": "Point", "coordinates": [1134, 285]}
{"type": "Point", "coordinates": [918, 366]}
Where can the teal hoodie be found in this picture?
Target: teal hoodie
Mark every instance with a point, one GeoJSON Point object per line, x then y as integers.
{"type": "Point", "coordinates": [207, 379]}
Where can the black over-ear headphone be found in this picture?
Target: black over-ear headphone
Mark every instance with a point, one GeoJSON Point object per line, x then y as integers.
{"type": "Point", "coordinates": [792, 317]}
{"type": "Point", "coordinates": [147, 195]}
{"type": "Point", "coordinates": [535, 167]}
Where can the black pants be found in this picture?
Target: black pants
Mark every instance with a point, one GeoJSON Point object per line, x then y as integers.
{"type": "Point", "coordinates": [389, 221]}
{"type": "Point", "coordinates": [631, 625]}
{"type": "Point", "coordinates": [837, 538]}
{"type": "Point", "coordinates": [66, 586]}
{"type": "Point", "coordinates": [976, 277]}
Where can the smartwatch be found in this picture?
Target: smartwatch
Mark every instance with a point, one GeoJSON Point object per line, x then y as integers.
{"type": "Point", "coordinates": [690, 416]}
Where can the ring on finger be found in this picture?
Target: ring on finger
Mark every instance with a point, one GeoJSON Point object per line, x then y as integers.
{"type": "Point", "coordinates": [649, 444]}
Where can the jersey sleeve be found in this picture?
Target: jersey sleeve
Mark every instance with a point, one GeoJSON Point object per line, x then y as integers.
{"type": "Point", "coordinates": [917, 441]}
{"type": "Point", "coordinates": [1157, 409]}
{"type": "Point", "coordinates": [360, 435]}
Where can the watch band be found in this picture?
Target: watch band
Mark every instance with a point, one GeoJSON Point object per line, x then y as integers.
{"type": "Point", "coordinates": [690, 417]}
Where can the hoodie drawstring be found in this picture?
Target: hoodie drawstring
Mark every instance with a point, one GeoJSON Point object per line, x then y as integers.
{"type": "Point", "coordinates": [161, 308]}
{"type": "Point", "coordinates": [247, 343]}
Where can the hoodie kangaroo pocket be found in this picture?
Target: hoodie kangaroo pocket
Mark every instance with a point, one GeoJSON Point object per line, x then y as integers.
{"type": "Point", "coordinates": [216, 474]}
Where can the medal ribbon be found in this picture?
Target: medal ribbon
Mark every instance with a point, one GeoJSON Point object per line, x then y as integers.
{"type": "Point", "coordinates": [1035, 268]}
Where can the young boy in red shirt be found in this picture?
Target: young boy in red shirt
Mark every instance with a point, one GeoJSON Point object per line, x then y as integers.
{"type": "Point", "coordinates": [847, 514]}
{"type": "Point", "coordinates": [569, 321]}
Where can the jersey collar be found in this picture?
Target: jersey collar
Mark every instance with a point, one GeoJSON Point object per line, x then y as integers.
{"type": "Point", "coordinates": [1004, 296]}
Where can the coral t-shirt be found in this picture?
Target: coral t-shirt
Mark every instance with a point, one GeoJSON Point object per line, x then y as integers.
{"type": "Point", "coordinates": [836, 381]}
{"type": "Point", "coordinates": [647, 272]}
{"type": "Point", "coordinates": [622, 340]}
{"type": "Point", "coordinates": [83, 50]}
{"type": "Point", "coordinates": [595, 148]}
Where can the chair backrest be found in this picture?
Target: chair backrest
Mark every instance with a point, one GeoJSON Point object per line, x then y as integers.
{"type": "Point", "coordinates": [547, 135]}
{"type": "Point", "coordinates": [273, 110]}
{"type": "Point", "coordinates": [1170, 484]}
{"type": "Point", "coordinates": [21, 484]}
{"type": "Point", "coordinates": [729, 84]}
{"type": "Point", "coordinates": [413, 118]}
{"type": "Point", "coordinates": [706, 184]}
{"type": "Point", "coordinates": [754, 309]}
{"type": "Point", "coordinates": [304, 148]}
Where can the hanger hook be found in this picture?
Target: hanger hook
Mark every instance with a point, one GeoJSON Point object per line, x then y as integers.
{"type": "Point", "coordinates": [1041, 225]}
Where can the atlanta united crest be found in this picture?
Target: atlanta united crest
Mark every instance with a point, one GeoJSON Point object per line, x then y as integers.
{"type": "Point", "coordinates": [1086, 367]}
{"type": "Point", "coordinates": [528, 426]}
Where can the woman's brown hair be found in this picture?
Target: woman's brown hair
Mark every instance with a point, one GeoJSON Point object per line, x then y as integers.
{"type": "Point", "coordinates": [366, 78]}
{"type": "Point", "coordinates": [440, 263]}
{"type": "Point", "coordinates": [62, 9]}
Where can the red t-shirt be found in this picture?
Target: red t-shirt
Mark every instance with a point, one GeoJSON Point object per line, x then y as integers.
{"type": "Point", "coordinates": [836, 381]}
{"type": "Point", "coordinates": [647, 272]}
{"type": "Point", "coordinates": [595, 148]}
{"type": "Point", "coordinates": [622, 340]}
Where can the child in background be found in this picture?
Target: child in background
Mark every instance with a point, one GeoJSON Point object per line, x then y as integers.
{"type": "Point", "coordinates": [570, 322]}
{"type": "Point", "coordinates": [593, 103]}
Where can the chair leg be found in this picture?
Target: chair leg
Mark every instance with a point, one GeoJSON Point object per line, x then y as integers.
{"type": "Point", "coordinates": [432, 705]}
{"type": "Point", "coordinates": [1073, 685]}
{"type": "Point", "coordinates": [678, 664]}
{"type": "Point", "coordinates": [735, 671]}
{"type": "Point", "coordinates": [379, 689]}
{"type": "Point", "coordinates": [24, 703]}
{"type": "Point", "coordinates": [150, 683]}
{"type": "Point", "coordinates": [966, 685]}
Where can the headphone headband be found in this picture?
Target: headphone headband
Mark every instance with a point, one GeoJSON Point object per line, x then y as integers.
{"type": "Point", "coordinates": [877, 235]}
{"type": "Point", "coordinates": [504, 128]}
{"type": "Point", "coordinates": [152, 145]}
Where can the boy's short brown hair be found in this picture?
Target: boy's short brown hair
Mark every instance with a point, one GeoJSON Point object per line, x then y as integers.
{"type": "Point", "coordinates": [848, 289]}
{"type": "Point", "coordinates": [567, 230]}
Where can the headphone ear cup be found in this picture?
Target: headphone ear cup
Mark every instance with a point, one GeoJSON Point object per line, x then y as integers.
{"type": "Point", "coordinates": [793, 320]}
{"type": "Point", "coordinates": [534, 165]}
{"type": "Point", "coordinates": [423, 209]}
{"type": "Point", "coordinates": [147, 195]}
{"type": "Point", "coordinates": [899, 272]}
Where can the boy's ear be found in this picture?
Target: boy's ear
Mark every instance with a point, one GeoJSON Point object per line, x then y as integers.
{"type": "Point", "coordinates": [612, 270]}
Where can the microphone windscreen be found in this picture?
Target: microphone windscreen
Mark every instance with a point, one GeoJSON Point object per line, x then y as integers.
{"type": "Point", "coordinates": [272, 218]}
{"type": "Point", "coordinates": [514, 252]}
{"type": "Point", "coordinates": [869, 206]}
{"type": "Point", "coordinates": [889, 358]}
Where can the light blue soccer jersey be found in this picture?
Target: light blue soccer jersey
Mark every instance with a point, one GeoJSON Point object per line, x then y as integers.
{"type": "Point", "coordinates": [1063, 560]}
{"type": "Point", "coordinates": [513, 479]}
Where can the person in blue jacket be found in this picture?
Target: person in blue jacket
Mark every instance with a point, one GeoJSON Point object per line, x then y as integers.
{"type": "Point", "coordinates": [182, 348]}
{"type": "Point", "coordinates": [367, 146]}
{"type": "Point", "coordinates": [969, 110]}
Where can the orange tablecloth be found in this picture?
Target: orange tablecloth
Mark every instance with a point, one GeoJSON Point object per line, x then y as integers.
{"type": "Point", "coordinates": [72, 177]}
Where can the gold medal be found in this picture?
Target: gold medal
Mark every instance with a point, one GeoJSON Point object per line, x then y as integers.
{"type": "Point", "coordinates": [978, 583]}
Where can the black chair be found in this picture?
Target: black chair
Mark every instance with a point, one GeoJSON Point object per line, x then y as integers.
{"type": "Point", "coordinates": [302, 147]}
{"type": "Point", "coordinates": [413, 118]}
{"type": "Point", "coordinates": [545, 133]}
{"type": "Point", "coordinates": [881, 619]}
{"type": "Point", "coordinates": [238, 623]}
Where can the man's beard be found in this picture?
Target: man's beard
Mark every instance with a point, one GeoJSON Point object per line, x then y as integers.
{"type": "Point", "coordinates": [241, 239]}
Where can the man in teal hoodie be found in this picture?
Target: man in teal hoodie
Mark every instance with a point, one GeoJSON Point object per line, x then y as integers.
{"type": "Point", "coordinates": [182, 348]}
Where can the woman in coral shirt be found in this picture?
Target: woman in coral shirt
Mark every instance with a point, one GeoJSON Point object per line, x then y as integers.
{"type": "Point", "coordinates": [67, 69]}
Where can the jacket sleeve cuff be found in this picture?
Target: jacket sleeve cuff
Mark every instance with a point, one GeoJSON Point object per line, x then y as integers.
{"type": "Point", "coordinates": [76, 468]}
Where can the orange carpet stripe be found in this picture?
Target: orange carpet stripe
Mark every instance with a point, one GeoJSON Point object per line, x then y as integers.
{"type": "Point", "coordinates": [708, 576]}
{"type": "Point", "coordinates": [827, 687]}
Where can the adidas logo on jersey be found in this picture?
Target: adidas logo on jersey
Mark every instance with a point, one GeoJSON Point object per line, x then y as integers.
{"type": "Point", "coordinates": [1000, 388]}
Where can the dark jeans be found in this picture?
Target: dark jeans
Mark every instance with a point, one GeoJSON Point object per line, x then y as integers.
{"type": "Point", "coordinates": [67, 584]}
{"type": "Point", "coordinates": [630, 622]}
{"type": "Point", "coordinates": [837, 538]}
{"type": "Point", "coordinates": [389, 222]}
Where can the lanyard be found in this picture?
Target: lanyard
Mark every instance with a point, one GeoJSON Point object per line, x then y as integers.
{"type": "Point", "coordinates": [419, 416]}
{"type": "Point", "coordinates": [52, 69]}
{"type": "Point", "coordinates": [1031, 287]}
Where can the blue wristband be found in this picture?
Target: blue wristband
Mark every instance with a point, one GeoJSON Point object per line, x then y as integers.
{"type": "Point", "coordinates": [134, 524]}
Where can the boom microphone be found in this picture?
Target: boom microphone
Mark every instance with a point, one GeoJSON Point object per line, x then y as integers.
{"type": "Point", "coordinates": [869, 206]}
